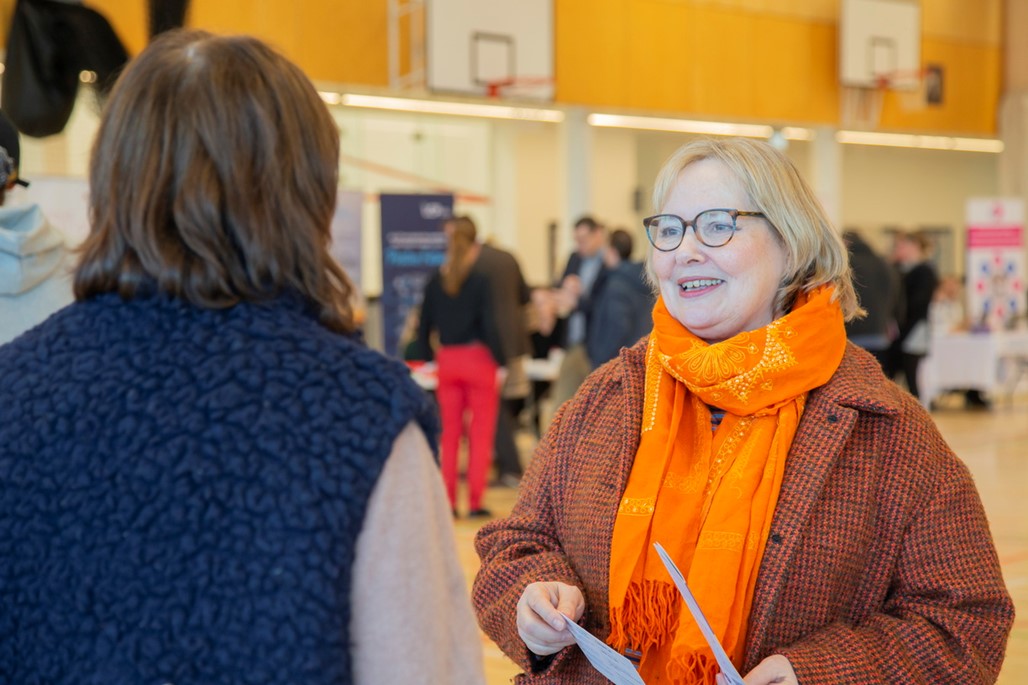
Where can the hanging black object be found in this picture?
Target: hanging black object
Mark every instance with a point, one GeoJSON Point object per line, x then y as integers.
{"type": "Point", "coordinates": [49, 44]}
{"type": "Point", "coordinates": [166, 15]}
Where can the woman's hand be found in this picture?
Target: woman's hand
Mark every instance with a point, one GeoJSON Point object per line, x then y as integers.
{"type": "Point", "coordinates": [773, 670]}
{"type": "Point", "coordinates": [542, 611]}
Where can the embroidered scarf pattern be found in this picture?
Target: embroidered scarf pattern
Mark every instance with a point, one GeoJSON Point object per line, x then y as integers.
{"type": "Point", "coordinates": [708, 497]}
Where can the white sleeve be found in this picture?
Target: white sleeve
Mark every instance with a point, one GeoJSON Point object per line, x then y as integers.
{"type": "Point", "coordinates": [411, 617]}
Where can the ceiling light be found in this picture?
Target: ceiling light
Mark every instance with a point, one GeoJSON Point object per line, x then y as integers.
{"type": "Point", "coordinates": [797, 133]}
{"type": "Point", "coordinates": [466, 109]}
{"type": "Point", "coordinates": [716, 128]}
{"type": "Point", "coordinates": [912, 140]}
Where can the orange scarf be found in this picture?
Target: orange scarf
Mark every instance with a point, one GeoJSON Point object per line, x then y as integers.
{"type": "Point", "coordinates": [708, 497]}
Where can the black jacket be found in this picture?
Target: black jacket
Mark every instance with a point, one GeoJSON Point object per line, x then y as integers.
{"type": "Point", "coordinates": [622, 312]}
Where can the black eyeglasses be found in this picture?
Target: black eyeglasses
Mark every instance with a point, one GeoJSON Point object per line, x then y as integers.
{"type": "Point", "coordinates": [713, 228]}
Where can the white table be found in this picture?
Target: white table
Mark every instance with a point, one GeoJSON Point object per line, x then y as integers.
{"type": "Point", "coordinates": [545, 369]}
{"type": "Point", "coordinates": [990, 362]}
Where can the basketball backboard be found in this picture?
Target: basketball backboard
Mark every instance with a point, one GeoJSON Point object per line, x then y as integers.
{"type": "Point", "coordinates": [472, 45]}
{"type": "Point", "coordinates": [880, 43]}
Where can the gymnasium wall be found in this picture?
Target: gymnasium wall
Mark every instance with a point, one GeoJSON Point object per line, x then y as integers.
{"type": "Point", "coordinates": [761, 60]}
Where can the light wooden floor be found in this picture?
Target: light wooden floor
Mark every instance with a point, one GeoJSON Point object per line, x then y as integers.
{"type": "Point", "coordinates": [993, 443]}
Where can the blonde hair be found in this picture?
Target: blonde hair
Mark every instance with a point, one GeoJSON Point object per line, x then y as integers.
{"type": "Point", "coordinates": [816, 254]}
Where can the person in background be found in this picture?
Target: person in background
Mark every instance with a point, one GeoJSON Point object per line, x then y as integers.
{"type": "Point", "coordinates": [510, 295]}
{"type": "Point", "coordinates": [544, 334]}
{"type": "Point", "coordinates": [203, 477]}
{"type": "Point", "coordinates": [826, 529]}
{"type": "Point", "coordinates": [910, 254]}
{"type": "Point", "coordinates": [583, 277]}
{"type": "Point", "coordinates": [878, 291]}
{"type": "Point", "coordinates": [458, 307]}
{"type": "Point", "coordinates": [35, 274]}
{"type": "Point", "coordinates": [410, 347]}
{"type": "Point", "coordinates": [946, 313]}
{"type": "Point", "coordinates": [622, 309]}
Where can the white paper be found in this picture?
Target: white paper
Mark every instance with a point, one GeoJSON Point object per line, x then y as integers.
{"type": "Point", "coordinates": [613, 666]}
{"type": "Point", "coordinates": [726, 665]}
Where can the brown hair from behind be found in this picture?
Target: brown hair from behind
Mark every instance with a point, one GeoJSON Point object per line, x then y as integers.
{"type": "Point", "coordinates": [213, 180]}
{"type": "Point", "coordinates": [920, 239]}
{"type": "Point", "coordinates": [462, 234]}
{"type": "Point", "coordinates": [621, 241]}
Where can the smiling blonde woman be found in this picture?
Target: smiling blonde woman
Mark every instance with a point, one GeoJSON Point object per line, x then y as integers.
{"type": "Point", "coordinates": [822, 523]}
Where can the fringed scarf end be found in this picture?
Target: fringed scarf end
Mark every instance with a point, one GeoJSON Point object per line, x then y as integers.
{"type": "Point", "coordinates": [693, 669]}
{"type": "Point", "coordinates": [647, 618]}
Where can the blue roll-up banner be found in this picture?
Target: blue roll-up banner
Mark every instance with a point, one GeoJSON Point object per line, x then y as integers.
{"type": "Point", "coordinates": [413, 248]}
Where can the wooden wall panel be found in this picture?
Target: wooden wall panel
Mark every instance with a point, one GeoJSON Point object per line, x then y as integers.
{"type": "Point", "coordinates": [767, 60]}
{"type": "Point", "coordinates": [748, 59]}
{"type": "Point", "coordinates": [695, 58]}
{"type": "Point", "coordinates": [340, 41]}
{"type": "Point", "coordinates": [971, 91]}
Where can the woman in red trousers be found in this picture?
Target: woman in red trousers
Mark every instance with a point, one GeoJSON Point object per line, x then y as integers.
{"type": "Point", "coordinates": [457, 307]}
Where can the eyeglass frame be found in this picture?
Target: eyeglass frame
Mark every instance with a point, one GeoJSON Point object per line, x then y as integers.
{"type": "Point", "coordinates": [734, 213]}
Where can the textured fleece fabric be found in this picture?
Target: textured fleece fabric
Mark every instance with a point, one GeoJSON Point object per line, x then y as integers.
{"type": "Point", "coordinates": [181, 491]}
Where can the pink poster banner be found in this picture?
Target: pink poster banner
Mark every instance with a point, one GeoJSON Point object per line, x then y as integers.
{"type": "Point", "coordinates": [995, 262]}
{"type": "Point", "coordinates": [995, 236]}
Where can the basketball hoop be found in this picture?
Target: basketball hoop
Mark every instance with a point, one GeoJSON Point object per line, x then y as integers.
{"type": "Point", "coordinates": [521, 88]}
{"type": "Point", "coordinates": [879, 51]}
{"type": "Point", "coordinates": [493, 88]}
{"type": "Point", "coordinates": [862, 105]}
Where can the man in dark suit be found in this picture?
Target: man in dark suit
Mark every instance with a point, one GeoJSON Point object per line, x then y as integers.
{"type": "Point", "coordinates": [583, 278]}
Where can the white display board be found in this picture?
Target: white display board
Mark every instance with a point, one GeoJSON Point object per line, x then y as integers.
{"type": "Point", "coordinates": [995, 262]}
{"type": "Point", "coordinates": [880, 38]}
{"type": "Point", "coordinates": [474, 43]}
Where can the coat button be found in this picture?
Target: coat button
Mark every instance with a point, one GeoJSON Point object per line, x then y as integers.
{"type": "Point", "coordinates": [832, 418]}
{"type": "Point", "coordinates": [776, 538]}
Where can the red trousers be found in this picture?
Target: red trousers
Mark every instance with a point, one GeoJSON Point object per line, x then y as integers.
{"type": "Point", "coordinates": [467, 386]}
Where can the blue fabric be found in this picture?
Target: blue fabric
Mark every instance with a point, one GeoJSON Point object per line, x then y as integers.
{"type": "Point", "coordinates": [181, 491]}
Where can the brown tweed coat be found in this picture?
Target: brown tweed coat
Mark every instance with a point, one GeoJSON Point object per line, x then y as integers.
{"type": "Point", "coordinates": [880, 567]}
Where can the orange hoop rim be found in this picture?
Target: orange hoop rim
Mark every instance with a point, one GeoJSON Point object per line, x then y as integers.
{"type": "Point", "coordinates": [495, 88]}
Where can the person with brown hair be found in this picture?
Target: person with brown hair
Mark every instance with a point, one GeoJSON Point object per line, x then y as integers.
{"type": "Point", "coordinates": [457, 306]}
{"type": "Point", "coordinates": [510, 295]}
{"type": "Point", "coordinates": [821, 522]}
{"type": "Point", "coordinates": [584, 276]}
{"type": "Point", "coordinates": [205, 477]}
{"type": "Point", "coordinates": [621, 309]}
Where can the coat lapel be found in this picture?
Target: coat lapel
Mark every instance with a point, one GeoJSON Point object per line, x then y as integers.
{"type": "Point", "coordinates": [824, 429]}
{"type": "Point", "coordinates": [832, 410]}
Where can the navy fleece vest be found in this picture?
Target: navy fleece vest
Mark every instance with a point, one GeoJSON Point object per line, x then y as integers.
{"type": "Point", "coordinates": [181, 491]}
